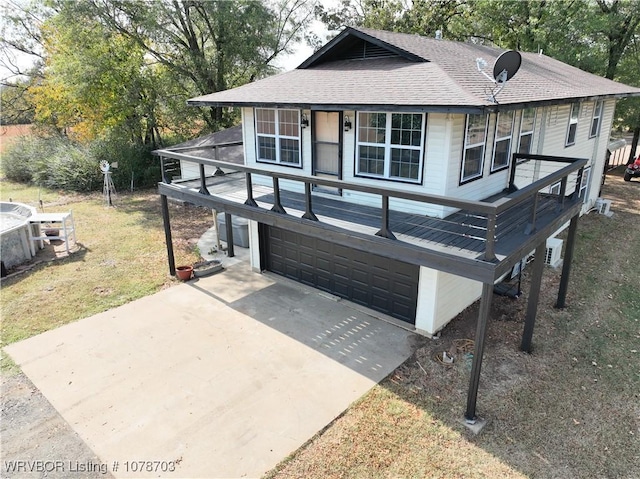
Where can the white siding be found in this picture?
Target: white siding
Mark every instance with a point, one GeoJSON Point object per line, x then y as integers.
{"type": "Point", "coordinates": [598, 158]}
{"type": "Point", "coordinates": [479, 189]}
{"type": "Point", "coordinates": [592, 149]}
{"type": "Point", "coordinates": [434, 169]}
{"type": "Point", "coordinates": [441, 296]}
{"type": "Point", "coordinates": [249, 138]}
{"type": "Point", "coordinates": [254, 246]}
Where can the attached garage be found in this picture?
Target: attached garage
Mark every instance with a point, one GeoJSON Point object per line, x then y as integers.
{"type": "Point", "coordinates": [380, 283]}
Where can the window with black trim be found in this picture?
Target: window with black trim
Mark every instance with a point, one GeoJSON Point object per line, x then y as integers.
{"type": "Point", "coordinates": [474, 144]}
{"type": "Point", "coordinates": [573, 124]}
{"type": "Point", "coordinates": [502, 143]}
{"type": "Point", "coordinates": [596, 119]}
{"type": "Point", "coordinates": [390, 145]}
{"type": "Point", "coordinates": [527, 126]}
{"type": "Point", "coordinates": [584, 182]}
{"type": "Point", "coordinates": [278, 136]}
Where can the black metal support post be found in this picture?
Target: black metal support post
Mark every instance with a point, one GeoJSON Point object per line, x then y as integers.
{"type": "Point", "coordinates": [481, 329]}
{"type": "Point", "coordinates": [531, 226]}
{"type": "Point", "coordinates": [203, 182]}
{"type": "Point", "coordinates": [512, 174]}
{"type": "Point", "coordinates": [308, 214]}
{"type": "Point", "coordinates": [229, 227]}
{"type": "Point", "coordinates": [218, 171]}
{"type": "Point", "coordinates": [534, 297]}
{"type": "Point", "coordinates": [167, 234]}
{"type": "Point", "coordinates": [250, 201]}
{"type": "Point", "coordinates": [563, 191]}
{"type": "Point", "coordinates": [277, 205]}
{"type": "Point", "coordinates": [385, 231]}
{"type": "Point", "coordinates": [566, 265]}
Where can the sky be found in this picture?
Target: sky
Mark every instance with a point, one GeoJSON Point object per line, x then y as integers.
{"type": "Point", "coordinates": [301, 51]}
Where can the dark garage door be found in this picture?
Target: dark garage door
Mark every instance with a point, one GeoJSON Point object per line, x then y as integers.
{"type": "Point", "coordinates": [383, 284]}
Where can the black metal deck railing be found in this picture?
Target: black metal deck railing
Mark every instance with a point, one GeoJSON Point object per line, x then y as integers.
{"type": "Point", "coordinates": [489, 223]}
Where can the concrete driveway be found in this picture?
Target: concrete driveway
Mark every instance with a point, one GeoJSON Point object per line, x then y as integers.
{"type": "Point", "coordinates": [220, 377]}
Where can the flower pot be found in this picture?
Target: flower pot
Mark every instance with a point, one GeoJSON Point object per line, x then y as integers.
{"type": "Point", "coordinates": [206, 268]}
{"type": "Point", "coordinates": [184, 272]}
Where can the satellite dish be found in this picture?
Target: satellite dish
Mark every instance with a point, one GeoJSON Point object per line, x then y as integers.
{"type": "Point", "coordinates": [506, 65]}
{"type": "Point", "coordinates": [504, 68]}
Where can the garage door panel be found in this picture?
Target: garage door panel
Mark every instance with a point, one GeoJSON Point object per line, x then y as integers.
{"type": "Point", "coordinates": [341, 270]}
{"type": "Point", "coordinates": [323, 266]}
{"type": "Point", "coordinates": [365, 278]}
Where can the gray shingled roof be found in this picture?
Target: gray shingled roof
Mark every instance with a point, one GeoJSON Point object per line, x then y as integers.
{"type": "Point", "coordinates": [447, 80]}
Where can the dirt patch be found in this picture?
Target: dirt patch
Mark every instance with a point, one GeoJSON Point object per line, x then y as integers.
{"type": "Point", "coordinates": [8, 133]}
{"type": "Point", "coordinates": [36, 441]}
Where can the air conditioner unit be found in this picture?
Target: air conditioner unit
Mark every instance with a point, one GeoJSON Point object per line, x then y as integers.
{"type": "Point", "coordinates": [553, 252]}
{"type": "Point", "coordinates": [603, 206]}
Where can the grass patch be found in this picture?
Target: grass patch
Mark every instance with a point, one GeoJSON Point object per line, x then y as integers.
{"type": "Point", "coordinates": [569, 410]}
{"type": "Point", "coordinates": [121, 257]}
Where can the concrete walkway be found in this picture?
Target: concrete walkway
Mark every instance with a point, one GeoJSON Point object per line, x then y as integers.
{"type": "Point", "coordinates": [220, 377]}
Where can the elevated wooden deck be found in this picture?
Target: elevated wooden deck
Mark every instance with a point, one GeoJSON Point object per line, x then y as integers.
{"type": "Point", "coordinates": [482, 240]}
{"type": "Point", "coordinates": [461, 234]}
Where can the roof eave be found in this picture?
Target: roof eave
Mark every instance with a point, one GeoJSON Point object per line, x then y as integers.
{"type": "Point", "coordinates": [557, 101]}
{"type": "Point", "coordinates": [347, 107]}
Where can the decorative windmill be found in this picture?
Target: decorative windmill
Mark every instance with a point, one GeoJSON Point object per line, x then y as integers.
{"type": "Point", "coordinates": [108, 188]}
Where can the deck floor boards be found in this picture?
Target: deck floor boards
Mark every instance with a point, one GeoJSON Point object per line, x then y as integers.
{"type": "Point", "coordinates": [461, 233]}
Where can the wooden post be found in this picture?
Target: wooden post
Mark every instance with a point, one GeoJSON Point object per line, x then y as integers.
{"type": "Point", "coordinates": [385, 231]}
{"type": "Point", "coordinates": [481, 329]}
{"type": "Point", "coordinates": [531, 226]}
{"type": "Point", "coordinates": [566, 265]}
{"type": "Point", "coordinates": [203, 182]}
{"type": "Point", "coordinates": [512, 174]}
{"type": "Point", "coordinates": [167, 234]}
{"type": "Point", "coordinates": [308, 214]}
{"type": "Point", "coordinates": [250, 201]}
{"type": "Point", "coordinates": [277, 205]}
{"type": "Point", "coordinates": [534, 297]}
{"type": "Point", "coordinates": [163, 171]}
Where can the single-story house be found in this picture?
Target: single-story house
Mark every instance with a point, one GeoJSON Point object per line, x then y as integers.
{"type": "Point", "coordinates": [396, 172]}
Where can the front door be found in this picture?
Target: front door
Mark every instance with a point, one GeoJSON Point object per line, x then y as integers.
{"type": "Point", "coordinates": [326, 148]}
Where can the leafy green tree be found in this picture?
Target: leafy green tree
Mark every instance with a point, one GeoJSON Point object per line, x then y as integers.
{"type": "Point", "coordinates": [593, 35]}
{"type": "Point", "coordinates": [94, 82]}
{"type": "Point", "coordinates": [15, 109]}
{"type": "Point", "coordinates": [206, 46]}
{"type": "Point", "coordinates": [21, 57]}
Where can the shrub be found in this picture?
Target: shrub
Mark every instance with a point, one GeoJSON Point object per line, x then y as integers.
{"type": "Point", "coordinates": [68, 167]}
{"type": "Point", "coordinates": [17, 160]}
{"type": "Point", "coordinates": [59, 163]}
{"type": "Point", "coordinates": [136, 165]}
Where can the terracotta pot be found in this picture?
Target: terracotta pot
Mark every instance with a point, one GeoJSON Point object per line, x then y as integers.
{"type": "Point", "coordinates": [184, 272]}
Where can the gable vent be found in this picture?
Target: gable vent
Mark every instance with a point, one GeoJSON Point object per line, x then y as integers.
{"type": "Point", "coordinates": [363, 50]}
